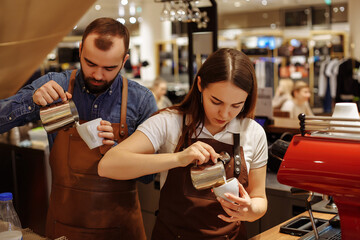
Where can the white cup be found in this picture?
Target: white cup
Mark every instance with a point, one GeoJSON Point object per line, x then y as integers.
{"type": "Point", "coordinates": [346, 110]}
{"type": "Point", "coordinates": [89, 133]}
{"type": "Point", "coordinates": [231, 186]}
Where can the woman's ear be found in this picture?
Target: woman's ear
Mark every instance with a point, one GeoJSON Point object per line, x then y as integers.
{"type": "Point", "coordinates": [199, 83]}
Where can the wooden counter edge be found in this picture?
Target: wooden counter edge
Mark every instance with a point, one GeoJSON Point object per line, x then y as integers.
{"type": "Point", "coordinates": [274, 232]}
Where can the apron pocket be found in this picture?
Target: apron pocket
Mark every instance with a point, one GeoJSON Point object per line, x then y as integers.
{"type": "Point", "coordinates": [81, 159]}
{"type": "Point", "coordinates": [97, 210]}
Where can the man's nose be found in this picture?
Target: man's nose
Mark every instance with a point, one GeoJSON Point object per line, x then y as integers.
{"type": "Point", "coordinates": [97, 74]}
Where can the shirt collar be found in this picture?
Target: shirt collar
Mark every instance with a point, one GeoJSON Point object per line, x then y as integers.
{"type": "Point", "coordinates": [232, 127]}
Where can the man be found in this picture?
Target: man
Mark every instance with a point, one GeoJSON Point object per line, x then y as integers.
{"type": "Point", "coordinates": [82, 204]}
{"type": "Point", "coordinates": [159, 90]}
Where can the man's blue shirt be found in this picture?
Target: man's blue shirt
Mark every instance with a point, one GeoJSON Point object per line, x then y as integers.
{"type": "Point", "coordinates": [20, 109]}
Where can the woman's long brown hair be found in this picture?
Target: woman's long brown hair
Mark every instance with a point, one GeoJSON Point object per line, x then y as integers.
{"type": "Point", "coordinates": [223, 65]}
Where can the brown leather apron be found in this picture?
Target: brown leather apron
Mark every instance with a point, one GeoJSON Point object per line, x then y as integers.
{"type": "Point", "coordinates": [82, 204]}
{"type": "Point", "coordinates": [187, 213]}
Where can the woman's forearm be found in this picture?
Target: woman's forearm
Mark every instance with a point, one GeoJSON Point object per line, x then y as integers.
{"type": "Point", "coordinates": [122, 165]}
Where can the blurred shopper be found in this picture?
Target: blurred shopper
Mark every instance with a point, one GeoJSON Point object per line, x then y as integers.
{"type": "Point", "coordinates": [82, 204]}
{"type": "Point", "coordinates": [159, 90]}
{"type": "Point", "coordinates": [216, 115]}
{"type": "Point", "coordinates": [300, 100]}
{"type": "Point", "coordinates": [282, 93]}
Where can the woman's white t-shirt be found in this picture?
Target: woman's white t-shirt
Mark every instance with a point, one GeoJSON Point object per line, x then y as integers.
{"type": "Point", "coordinates": [164, 129]}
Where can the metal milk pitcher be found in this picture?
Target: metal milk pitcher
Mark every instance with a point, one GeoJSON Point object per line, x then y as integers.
{"type": "Point", "coordinates": [59, 116]}
{"type": "Point", "coordinates": [207, 176]}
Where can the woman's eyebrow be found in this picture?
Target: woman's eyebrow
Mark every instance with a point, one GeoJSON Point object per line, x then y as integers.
{"type": "Point", "coordinates": [222, 101]}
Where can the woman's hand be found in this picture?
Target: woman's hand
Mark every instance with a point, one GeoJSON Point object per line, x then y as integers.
{"type": "Point", "coordinates": [106, 132]}
{"type": "Point", "coordinates": [50, 92]}
{"type": "Point", "coordinates": [240, 209]}
{"type": "Point", "coordinates": [198, 151]}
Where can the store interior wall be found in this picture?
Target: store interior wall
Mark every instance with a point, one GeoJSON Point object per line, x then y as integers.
{"type": "Point", "coordinates": [153, 30]}
{"type": "Point", "coordinates": [354, 20]}
{"type": "Point", "coordinates": [29, 30]}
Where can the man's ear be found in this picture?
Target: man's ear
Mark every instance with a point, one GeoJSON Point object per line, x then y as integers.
{"type": "Point", "coordinates": [80, 49]}
{"type": "Point", "coordinates": [125, 59]}
{"type": "Point", "coordinates": [199, 83]}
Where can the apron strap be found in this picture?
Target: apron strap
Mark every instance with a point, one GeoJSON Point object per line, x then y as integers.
{"type": "Point", "coordinates": [72, 81]}
{"type": "Point", "coordinates": [123, 126]}
{"type": "Point", "coordinates": [123, 130]}
{"type": "Point", "coordinates": [237, 154]}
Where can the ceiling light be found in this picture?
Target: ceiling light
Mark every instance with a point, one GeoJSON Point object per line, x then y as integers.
{"type": "Point", "coordinates": [124, 2]}
{"type": "Point", "coordinates": [132, 20]}
{"type": "Point", "coordinates": [132, 9]}
{"type": "Point", "coordinates": [335, 9]}
{"type": "Point", "coordinates": [97, 7]}
{"type": "Point", "coordinates": [237, 4]}
{"type": "Point", "coordinates": [342, 9]}
{"type": "Point", "coordinates": [121, 11]}
{"type": "Point", "coordinates": [264, 2]}
{"type": "Point", "coordinates": [121, 20]}
{"type": "Point", "coordinates": [75, 27]}
{"type": "Point", "coordinates": [184, 11]}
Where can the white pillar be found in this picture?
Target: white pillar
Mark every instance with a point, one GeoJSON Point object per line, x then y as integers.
{"type": "Point", "coordinates": [354, 20]}
{"type": "Point", "coordinates": [151, 31]}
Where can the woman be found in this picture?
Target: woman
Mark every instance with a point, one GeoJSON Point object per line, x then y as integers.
{"type": "Point", "coordinates": [300, 100]}
{"type": "Point", "coordinates": [212, 117]}
{"type": "Point", "coordinates": [282, 93]}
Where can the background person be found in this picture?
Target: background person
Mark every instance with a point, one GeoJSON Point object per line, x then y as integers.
{"type": "Point", "coordinates": [282, 93]}
{"type": "Point", "coordinates": [216, 115]}
{"type": "Point", "coordinates": [82, 204]}
{"type": "Point", "coordinates": [159, 90]}
{"type": "Point", "coordinates": [300, 100]}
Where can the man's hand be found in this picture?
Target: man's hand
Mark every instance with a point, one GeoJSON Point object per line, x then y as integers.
{"type": "Point", "coordinates": [107, 132]}
{"type": "Point", "coordinates": [50, 92]}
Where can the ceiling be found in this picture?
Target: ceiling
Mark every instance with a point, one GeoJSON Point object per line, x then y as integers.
{"type": "Point", "coordinates": [110, 8]}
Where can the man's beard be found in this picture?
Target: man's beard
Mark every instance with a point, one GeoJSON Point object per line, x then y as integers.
{"type": "Point", "coordinates": [97, 89]}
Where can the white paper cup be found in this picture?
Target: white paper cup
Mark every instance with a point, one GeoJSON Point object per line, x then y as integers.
{"type": "Point", "coordinates": [89, 133]}
{"type": "Point", "coordinates": [231, 186]}
{"type": "Point", "coordinates": [346, 110]}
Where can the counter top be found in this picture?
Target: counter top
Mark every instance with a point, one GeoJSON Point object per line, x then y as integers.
{"type": "Point", "coordinates": [273, 183]}
{"type": "Point", "coordinates": [274, 233]}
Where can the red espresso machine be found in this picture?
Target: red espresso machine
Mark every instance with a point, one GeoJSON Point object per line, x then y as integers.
{"type": "Point", "coordinates": [325, 159]}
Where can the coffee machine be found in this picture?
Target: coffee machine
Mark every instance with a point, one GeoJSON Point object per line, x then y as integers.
{"type": "Point", "coordinates": [325, 158]}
